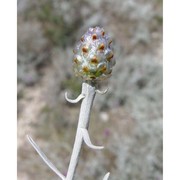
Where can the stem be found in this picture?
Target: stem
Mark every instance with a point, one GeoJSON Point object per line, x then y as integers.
{"type": "Point", "coordinates": [88, 94]}
{"type": "Point", "coordinates": [84, 116]}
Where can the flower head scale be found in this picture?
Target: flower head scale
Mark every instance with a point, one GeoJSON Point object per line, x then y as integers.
{"type": "Point", "coordinates": [93, 55]}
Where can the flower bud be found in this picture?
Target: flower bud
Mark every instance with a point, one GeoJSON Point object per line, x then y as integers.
{"type": "Point", "coordinates": [93, 55]}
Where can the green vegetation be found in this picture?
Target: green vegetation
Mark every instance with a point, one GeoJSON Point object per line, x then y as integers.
{"type": "Point", "coordinates": [57, 30]}
{"type": "Point", "coordinates": [72, 84]}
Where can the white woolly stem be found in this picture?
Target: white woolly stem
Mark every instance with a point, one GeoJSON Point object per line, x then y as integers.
{"type": "Point", "coordinates": [106, 177]}
{"type": "Point", "coordinates": [88, 94]}
{"type": "Point", "coordinates": [84, 116]}
{"type": "Point", "coordinates": [45, 159]}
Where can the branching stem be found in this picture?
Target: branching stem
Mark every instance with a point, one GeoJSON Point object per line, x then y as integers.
{"type": "Point", "coordinates": [88, 94]}
{"type": "Point", "coordinates": [84, 116]}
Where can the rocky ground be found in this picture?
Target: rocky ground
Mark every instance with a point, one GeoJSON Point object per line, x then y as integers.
{"type": "Point", "coordinates": [127, 120]}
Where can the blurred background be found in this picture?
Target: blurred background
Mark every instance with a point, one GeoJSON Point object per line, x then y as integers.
{"type": "Point", "coordinates": [127, 120]}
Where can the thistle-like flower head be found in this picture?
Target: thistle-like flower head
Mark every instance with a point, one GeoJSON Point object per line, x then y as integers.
{"type": "Point", "coordinates": [93, 55]}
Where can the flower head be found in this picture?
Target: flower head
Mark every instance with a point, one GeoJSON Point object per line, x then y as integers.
{"type": "Point", "coordinates": [93, 55]}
